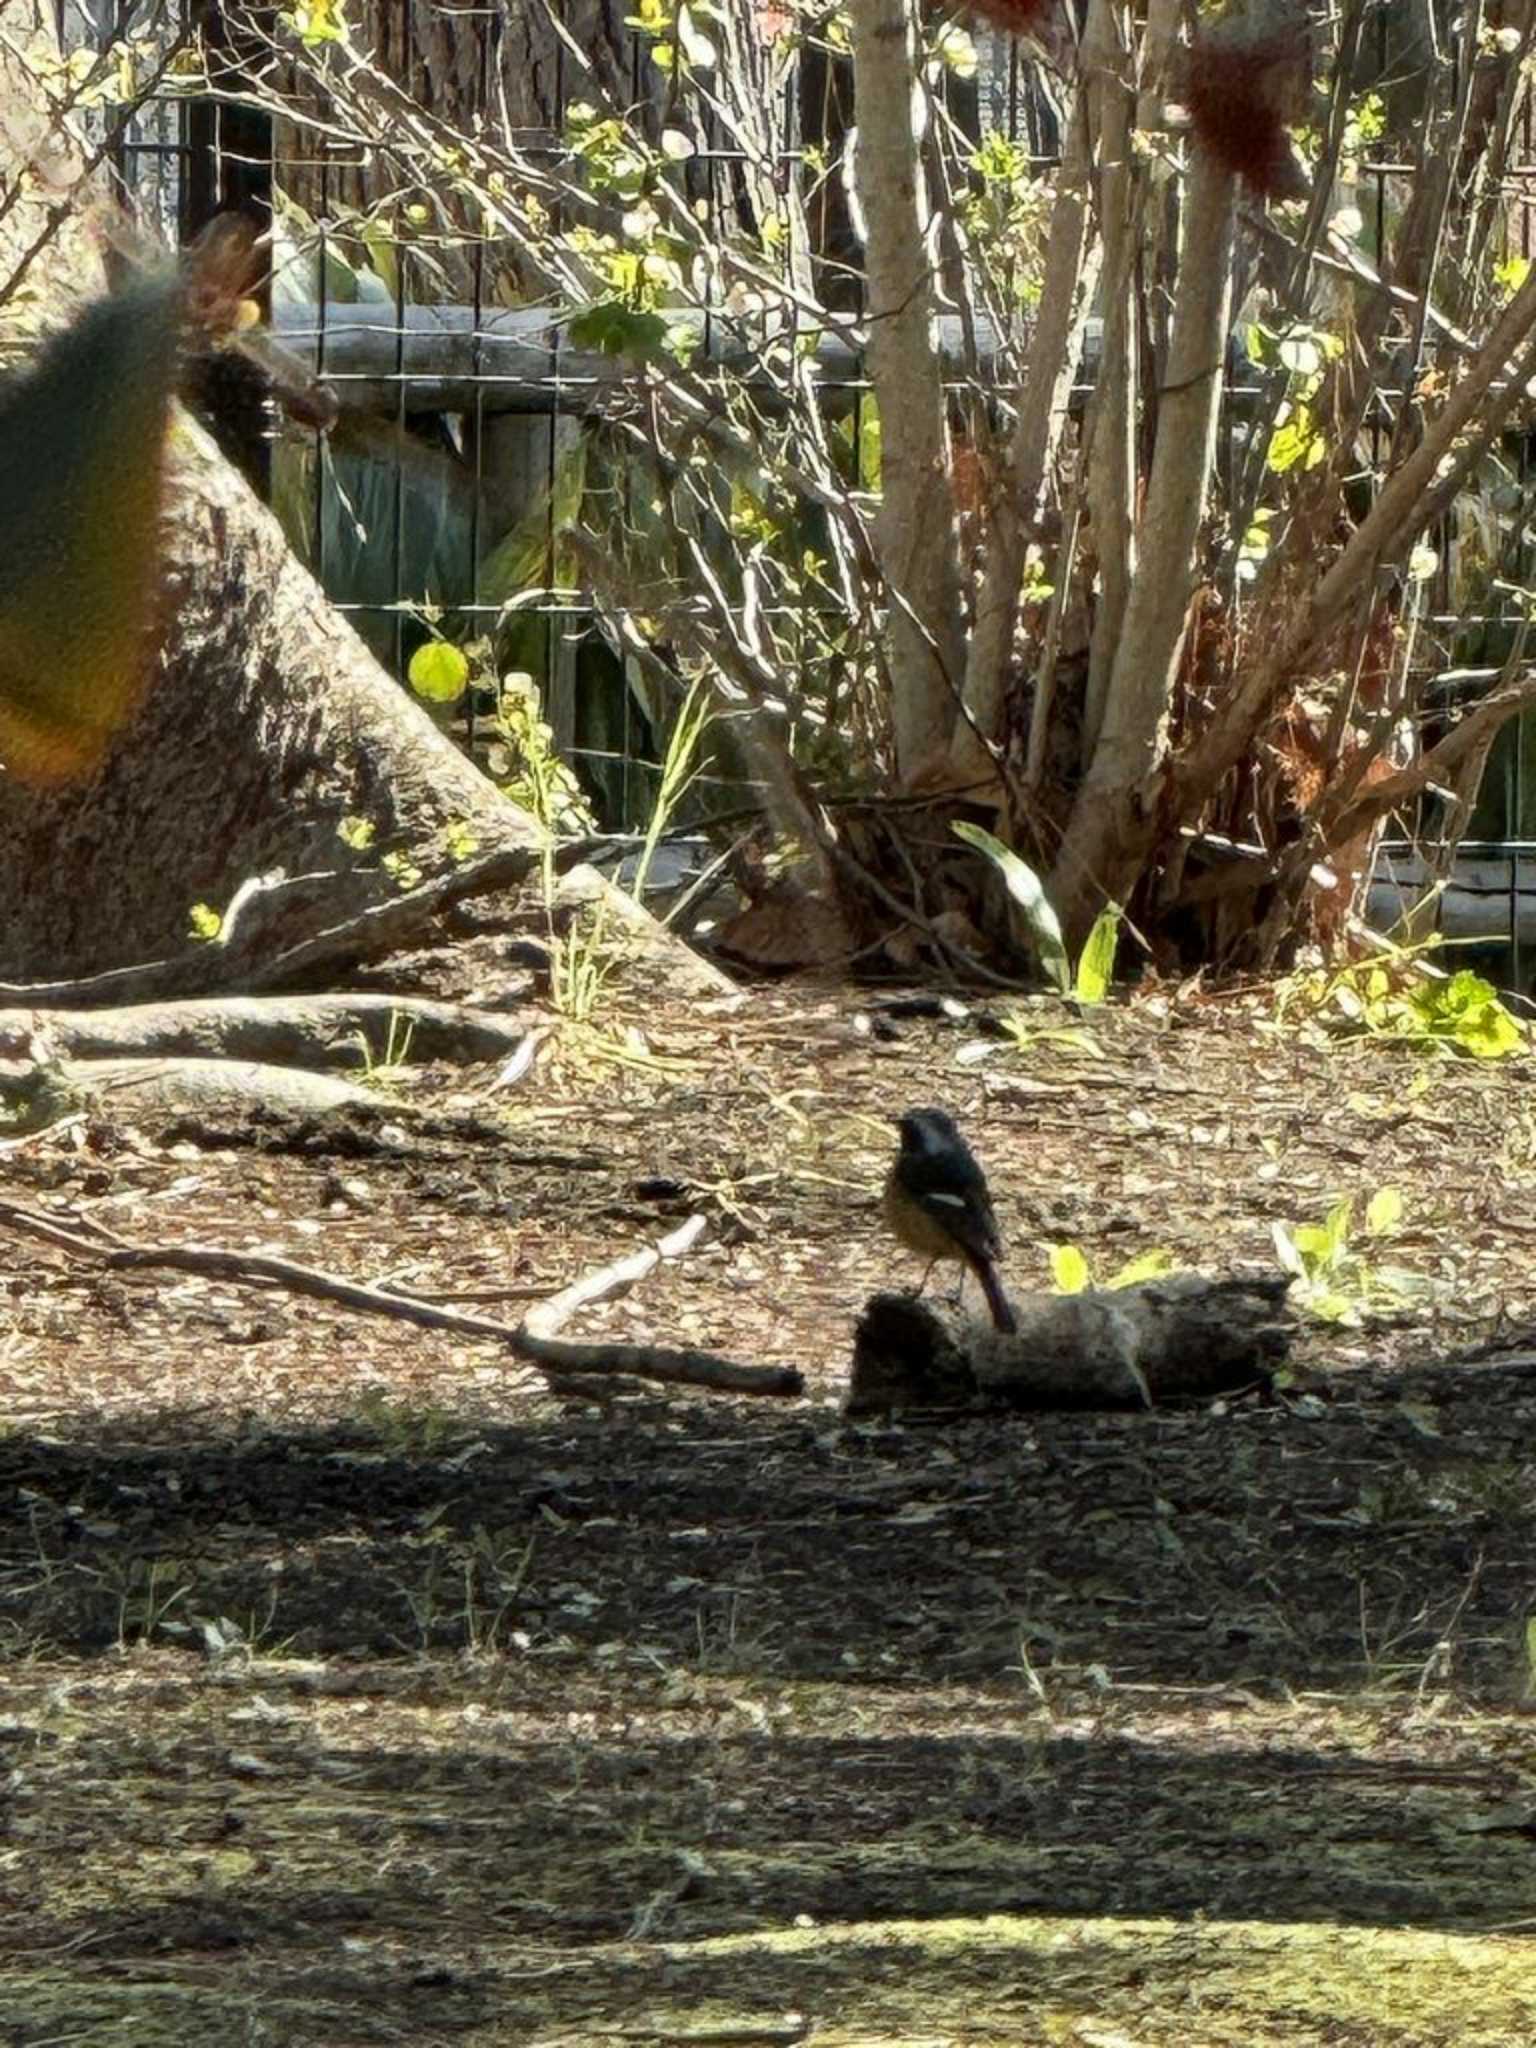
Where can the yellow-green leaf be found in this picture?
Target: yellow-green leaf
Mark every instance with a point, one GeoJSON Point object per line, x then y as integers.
{"type": "Point", "coordinates": [439, 672]}
{"type": "Point", "coordinates": [1027, 890]}
{"type": "Point", "coordinates": [1069, 1269]}
{"type": "Point", "coordinates": [1096, 962]}
{"type": "Point", "coordinates": [1384, 1211]}
{"type": "Point", "coordinates": [358, 833]}
{"type": "Point", "coordinates": [1147, 1267]}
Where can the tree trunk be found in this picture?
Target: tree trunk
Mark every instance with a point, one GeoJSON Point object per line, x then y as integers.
{"type": "Point", "coordinates": [1056, 346]}
{"type": "Point", "coordinates": [1109, 92]}
{"type": "Point", "coordinates": [266, 723]}
{"type": "Point", "coordinates": [915, 531]}
{"type": "Point", "coordinates": [1112, 823]}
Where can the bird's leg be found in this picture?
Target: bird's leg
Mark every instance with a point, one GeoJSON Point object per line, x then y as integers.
{"type": "Point", "coordinates": [927, 1271]}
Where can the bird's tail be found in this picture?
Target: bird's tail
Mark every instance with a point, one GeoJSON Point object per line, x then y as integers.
{"type": "Point", "coordinates": [1003, 1317]}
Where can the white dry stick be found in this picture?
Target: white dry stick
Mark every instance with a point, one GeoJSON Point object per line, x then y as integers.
{"type": "Point", "coordinates": [617, 1277]}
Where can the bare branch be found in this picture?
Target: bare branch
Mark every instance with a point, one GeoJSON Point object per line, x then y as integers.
{"type": "Point", "coordinates": [1440, 765]}
{"type": "Point", "coordinates": [1464, 427]}
{"type": "Point", "coordinates": [257, 1269]}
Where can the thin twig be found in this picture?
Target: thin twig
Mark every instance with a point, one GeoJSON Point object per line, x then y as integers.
{"type": "Point", "coordinates": [685, 1367]}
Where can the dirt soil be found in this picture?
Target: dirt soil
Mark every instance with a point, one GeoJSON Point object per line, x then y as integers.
{"type": "Point", "coordinates": [356, 1690]}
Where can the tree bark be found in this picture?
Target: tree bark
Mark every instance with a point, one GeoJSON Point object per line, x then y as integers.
{"type": "Point", "coordinates": [1108, 832]}
{"type": "Point", "coordinates": [1071, 277]}
{"type": "Point", "coordinates": [915, 531]}
{"type": "Point", "coordinates": [1181, 1337]}
{"type": "Point", "coordinates": [266, 723]}
{"type": "Point", "coordinates": [1109, 90]}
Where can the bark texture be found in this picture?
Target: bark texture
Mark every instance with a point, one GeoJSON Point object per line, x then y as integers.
{"type": "Point", "coordinates": [1184, 1336]}
{"type": "Point", "coordinates": [1112, 819]}
{"type": "Point", "coordinates": [915, 528]}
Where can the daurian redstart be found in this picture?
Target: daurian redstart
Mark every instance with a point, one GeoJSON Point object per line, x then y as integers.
{"type": "Point", "coordinates": [937, 1204]}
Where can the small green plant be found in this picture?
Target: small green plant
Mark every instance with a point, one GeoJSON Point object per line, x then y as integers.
{"type": "Point", "coordinates": [1335, 1275]}
{"type": "Point", "coordinates": [1072, 1271]}
{"type": "Point", "coordinates": [148, 1590]}
{"type": "Point", "coordinates": [1023, 1036]}
{"type": "Point", "coordinates": [495, 1564]}
{"type": "Point", "coordinates": [384, 1069]}
{"type": "Point", "coordinates": [523, 761]}
{"type": "Point", "coordinates": [1095, 964]}
{"type": "Point", "coordinates": [582, 959]}
{"type": "Point", "coordinates": [403, 1427]}
{"type": "Point", "coordinates": [1398, 1000]}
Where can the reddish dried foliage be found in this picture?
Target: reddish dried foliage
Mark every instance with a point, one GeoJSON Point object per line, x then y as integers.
{"type": "Point", "coordinates": [1244, 83]}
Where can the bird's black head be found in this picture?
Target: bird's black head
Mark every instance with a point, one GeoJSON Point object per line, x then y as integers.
{"type": "Point", "coordinates": [927, 1130]}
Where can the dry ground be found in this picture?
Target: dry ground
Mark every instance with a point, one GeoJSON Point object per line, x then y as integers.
{"type": "Point", "coordinates": [357, 1691]}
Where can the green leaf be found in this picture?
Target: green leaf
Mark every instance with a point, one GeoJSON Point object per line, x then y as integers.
{"type": "Point", "coordinates": [1147, 1267]}
{"type": "Point", "coordinates": [1384, 1211]}
{"type": "Point", "coordinates": [1026, 889]}
{"type": "Point", "coordinates": [401, 870]}
{"type": "Point", "coordinates": [1072, 1038]}
{"type": "Point", "coordinates": [956, 52]}
{"type": "Point", "coordinates": [1315, 1244]}
{"type": "Point", "coordinates": [439, 672]}
{"type": "Point", "coordinates": [1337, 1229]}
{"type": "Point", "coordinates": [1296, 442]}
{"type": "Point", "coordinates": [1489, 1032]}
{"type": "Point", "coordinates": [205, 923]}
{"type": "Point", "coordinates": [1069, 1269]}
{"type": "Point", "coordinates": [870, 446]}
{"type": "Point", "coordinates": [320, 21]}
{"type": "Point", "coordinates": [1334, 1308]}
{"type": "Point", "coordinates": [358, 833]}
{"type": "Point", "coordinates": [1465, 991]}
{"type": "Point", "coordinates": [1096, 962]}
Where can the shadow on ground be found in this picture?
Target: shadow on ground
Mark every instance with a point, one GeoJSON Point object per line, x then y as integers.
{"type": "Point", "coordinates": [437, 1732]}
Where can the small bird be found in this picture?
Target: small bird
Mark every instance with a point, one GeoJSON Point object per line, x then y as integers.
{"type": "Point", "coordinates": [937, 1204]}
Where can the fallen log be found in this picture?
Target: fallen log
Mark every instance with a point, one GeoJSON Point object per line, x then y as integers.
{"type": "Point", "coordinates": [350, 1030]}
{"type": "Point", "coordinates": [1182, 1335]}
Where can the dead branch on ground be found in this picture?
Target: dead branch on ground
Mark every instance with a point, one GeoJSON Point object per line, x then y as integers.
{"type": "Point", "coordinates": [260, 1269]}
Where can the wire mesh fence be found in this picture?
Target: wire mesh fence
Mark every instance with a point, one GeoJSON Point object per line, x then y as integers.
{"type": "Point", "coordinates": [465, 417]}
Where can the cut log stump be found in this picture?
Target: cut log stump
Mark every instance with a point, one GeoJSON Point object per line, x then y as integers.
{"type": "Point", "coordinates": [1182, 1335]}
